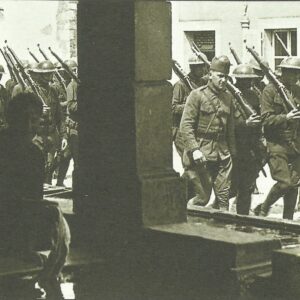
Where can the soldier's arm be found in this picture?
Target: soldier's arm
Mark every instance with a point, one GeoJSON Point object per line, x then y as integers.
{"type": "Point", "coordinates": [72, 97]}
{"type": "Point", "coordinates": [189, 121]}
{"type": "Point", "coordinates": [268, 114]}
{"type": "Point", "coordinates": [178, 98]}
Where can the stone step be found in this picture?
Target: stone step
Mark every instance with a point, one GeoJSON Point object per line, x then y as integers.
{"type": "Point", "coordinates": [14, 266]}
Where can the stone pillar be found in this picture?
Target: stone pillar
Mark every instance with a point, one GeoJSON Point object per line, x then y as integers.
{"type": "Point", "coordinates": [124, 53]}
{"type": "Point", "coordinates": [66, 28]}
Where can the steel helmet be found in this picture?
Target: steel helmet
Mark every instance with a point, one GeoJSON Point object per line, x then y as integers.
{"type": "Point", "coordinates": [45, 66]}
{"type": "Point", "coordinates": [2, 69]}
{"type": "Point", "coordinates": [195, 60]}
{"type": "Point", "coordinates": [71, 63]}
{"type": "Point", "coordinates": [290, 63]}
{"type": "Point", "coordinates": [57, 65]}
{"type": "Point", "coordinates": [220, 64]}
{"type": "Point", "coordinates": [32, 65]}
{"type": "Point", "coordinates": [244, 71]}
{"type": "Point", "coordinates": [254, 64]}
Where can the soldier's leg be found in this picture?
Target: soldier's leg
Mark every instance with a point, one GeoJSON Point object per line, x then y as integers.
{"type": "Point", "coordinates": [222, 182]}
{"type": "Point", "coordinates": [280, 172]}
{"type": "Point", "coordinates": [290, 199]}
{"type": "Point", "coordinates": [246, 185]}
{"type": "Point", "coordinates": [202, 185]}
{"type": "Point", "coordinates": [63, 166]}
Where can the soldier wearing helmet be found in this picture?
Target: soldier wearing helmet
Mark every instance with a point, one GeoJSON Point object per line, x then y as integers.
{"type": "Point", "coordinates": [68, 149]}
{"type": "Point", "coordinates": [198, 78]}
{"type": "Point", "coordinates": [248, 136]}
{"type": "Point", "coordinates": [198, 69]}
{"type": "Point", "coordinates": [51, 128]}
{"type": "Point", "coordinates": [3, 101]}
{"type": "Point", "coordinates": [207, 127]}
{"type": "Point", "coordinates": [283, 140]}
{"type": "Point", "coordinates": [261, 81]}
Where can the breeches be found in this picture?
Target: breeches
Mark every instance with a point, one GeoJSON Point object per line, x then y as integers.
{"type": "Point", "coordinates": [216, 175]}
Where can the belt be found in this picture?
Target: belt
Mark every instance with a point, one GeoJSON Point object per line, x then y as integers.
{"type": "Point", "coordinates": [212, 135]}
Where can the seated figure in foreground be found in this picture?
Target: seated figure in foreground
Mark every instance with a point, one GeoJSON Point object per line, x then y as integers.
{"type": "Point", "coordinates": [28, 223]}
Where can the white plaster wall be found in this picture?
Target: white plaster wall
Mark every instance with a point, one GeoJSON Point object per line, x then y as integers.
{"type": "Point", "coordinates": [225, 18]}
{"type": "Point", "coordinates": [22, 26]}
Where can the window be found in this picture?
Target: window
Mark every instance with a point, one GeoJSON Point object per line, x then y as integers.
{"type": "Point", "coordinates": [205, 40]}
{"type": "Point", "coordinates": [285, 44]}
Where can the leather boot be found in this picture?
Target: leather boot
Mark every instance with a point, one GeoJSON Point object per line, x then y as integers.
{"type": "Point", "coordinates": [290, 199]}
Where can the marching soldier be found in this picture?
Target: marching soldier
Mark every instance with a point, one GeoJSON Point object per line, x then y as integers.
{"type": "Point", "coordinates": [72, 131]}
{"type": "Point", "coordinates": [207, 127]}
{"type": "Point", "coordinates": [247, 163]}
{"type": "Point", "coordinates": [66, 153]}
{"type": "Point", "coordinates": [198, 70]}
{"type": "Point", "coordinates": [197, 78]}
{"type": "Point", "coordinates": [281, 129]}
{"type": "Point", "coordinates": [3, 101]}
{"type": "Point", "coordinates": [51, 127]}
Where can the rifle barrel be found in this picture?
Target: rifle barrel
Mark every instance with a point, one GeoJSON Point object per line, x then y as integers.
{"type": "Point", "coordinates": [65, 66]}
{"type": "Point", "coordinates": [271, 76]}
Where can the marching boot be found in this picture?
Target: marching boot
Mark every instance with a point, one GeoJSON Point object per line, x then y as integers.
{"type": "Point", "coordinates": [290, 199]}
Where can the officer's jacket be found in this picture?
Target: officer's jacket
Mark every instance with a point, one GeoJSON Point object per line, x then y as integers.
{"type": "Point", "coordinates": [277, 128]}
{"type": "Point", "coordinates": [208, 123]}
{"type": "Point", "coordinates": [180, 94]}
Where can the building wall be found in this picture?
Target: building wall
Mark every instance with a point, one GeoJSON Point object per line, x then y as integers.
{"type": "Point", "coordinates": [225, 18]}
{"type": "Point", "coordinates": [51, 23]}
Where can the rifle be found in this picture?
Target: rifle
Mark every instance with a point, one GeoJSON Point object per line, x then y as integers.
{"type": "Point", "coordinates": [33, 56]}
{"type": "Point", "coordinates": [26, 76]}
{"type": "Point", "coordinates": [10, 68]}
{"type": "Point", "coordinates": [56, 73]}
{"type": "Point", "coordinates": [199, 54]}
{"type": "Point", "coordinates": [247, 109]}
{"type": "Point", "coordinates": [272, 77]}
{"type": "Point", "coordinates": [65, 66]}
{"type": "Point", "coordinates": [234, 54]}
{"type": "Point", "coordinates": [182, 75]}
{"type": "Point", "coordinates": [16, 71]}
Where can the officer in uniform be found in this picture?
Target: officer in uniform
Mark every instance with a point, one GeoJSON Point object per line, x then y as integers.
{"type": "Point", "coordinates": [3, 101]}
{"type": "Point", "coordinates": [51, 128]}
{"type": "Point", "coordinates": [198, 70]}
{"type": "Point", "coordinates": [197, 77]}
{"type": "Point", "coordinates": [247, 164]}
{"type": "Point", "coordinates": [207, 127]}
{"type": "Point", "coordinates": [281, 129]}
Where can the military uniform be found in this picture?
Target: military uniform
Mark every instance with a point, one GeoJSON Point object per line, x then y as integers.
{"type": "Point", "coordinates": [180, 94]}
{"type": "Point", "coordinates": [64, 156]}
{"type": "Point", "coordinates": [72, 136]}
{"type": "Point", "coordinates": [208, 124]}
{"type": "Point", "coordinates": [51, 129]}
{"type": "Point", "coordinates": [9, 85]}
{"type": "Point", "coordinates": [283, 142]}
{"type": "Point", "coordinates": [246, 164]}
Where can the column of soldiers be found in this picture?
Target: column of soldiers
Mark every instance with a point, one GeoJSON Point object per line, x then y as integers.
{"type": "Point", "coordinates": [224, 147]}
{"type": "Point", "coordinates": [57, 134]}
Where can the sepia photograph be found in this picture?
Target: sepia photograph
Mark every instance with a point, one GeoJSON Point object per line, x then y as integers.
{"type": "Point", "coordinates": [149, 150]}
